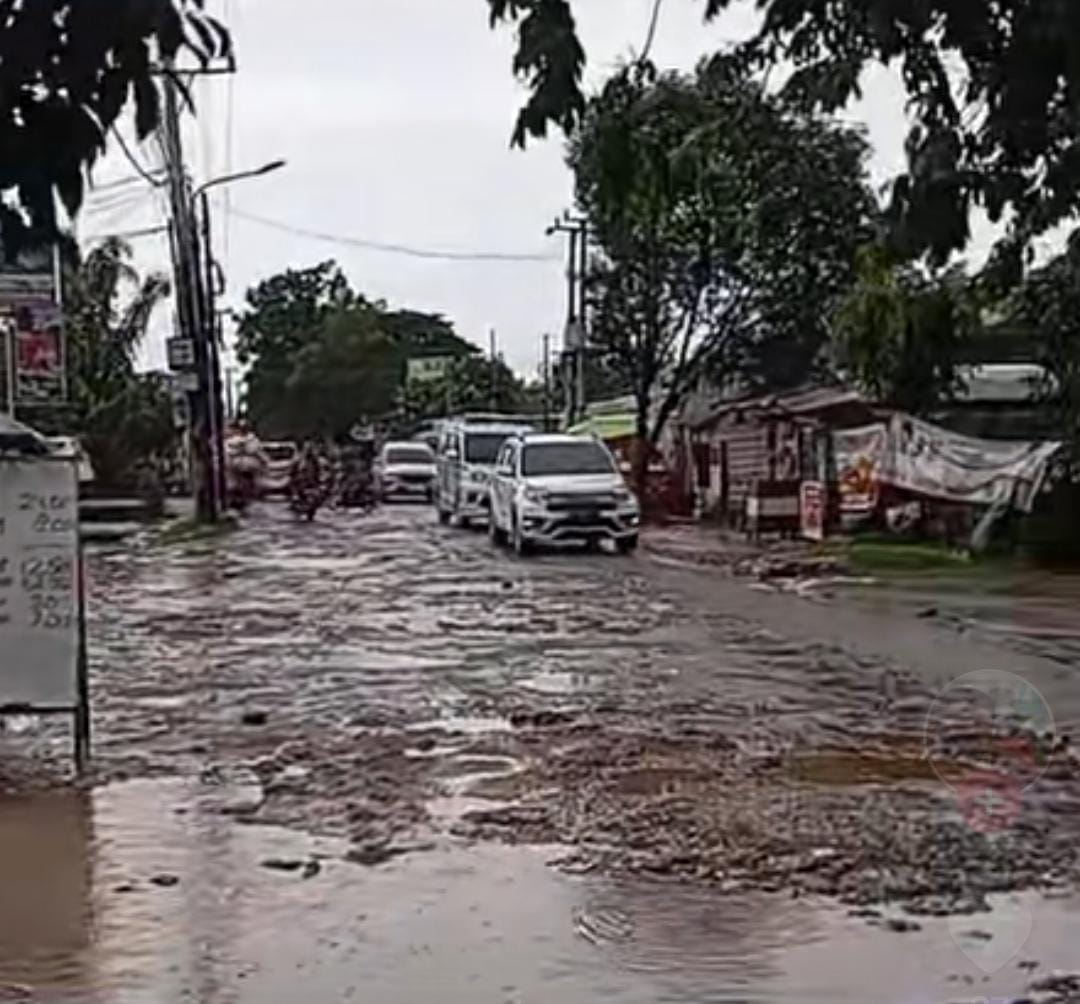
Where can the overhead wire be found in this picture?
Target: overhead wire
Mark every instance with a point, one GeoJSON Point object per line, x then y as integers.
{"type": "Point", "coordinates": [134, 161]}
{"type": "Point", "coordinates": [392, 248]}
{"type": "Point", "coordinates": [650, 35]}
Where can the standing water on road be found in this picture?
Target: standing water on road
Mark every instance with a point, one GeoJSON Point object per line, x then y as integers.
{"type": "Point", "coordinates": [578, 776]}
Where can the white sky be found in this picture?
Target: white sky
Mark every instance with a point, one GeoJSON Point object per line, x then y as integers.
{"type": "Point", "coordinates": [394, 118]}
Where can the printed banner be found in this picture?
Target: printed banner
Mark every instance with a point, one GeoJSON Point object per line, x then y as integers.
{"type": "Point", "coordinates": [925, 459]}
{"type": "Point", "coordinates": [39, 352]}
{"type": "Point", "coordinates": [860, 456]}
{"type": "Point", "coordinates": [929, 460]}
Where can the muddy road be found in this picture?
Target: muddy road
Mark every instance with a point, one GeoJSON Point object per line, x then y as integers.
{"type": "Point", "coordinates": [680, 773]}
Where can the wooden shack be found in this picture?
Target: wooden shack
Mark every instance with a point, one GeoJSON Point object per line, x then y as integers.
{"type": "Point", "coordinates": [753, 452]}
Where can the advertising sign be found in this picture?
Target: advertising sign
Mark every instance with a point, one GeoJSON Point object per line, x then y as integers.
{"type": "Point", "coordinates": [31, 322]}
{"type": "Point", "coordinates": [39, 612]}
{"type": "Point", "coordinates": [860, 455]}
{"type": "Point", "coordinates": [929, 460]}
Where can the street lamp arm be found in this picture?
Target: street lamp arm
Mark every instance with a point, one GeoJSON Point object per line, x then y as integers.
{"type": "Point", "coordinates": [257, 172]}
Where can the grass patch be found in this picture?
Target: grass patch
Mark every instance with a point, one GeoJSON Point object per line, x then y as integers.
{"type": "Point", "coordinates": [189, 530]}
{"type": "Point", "coordinates": [888, 557]}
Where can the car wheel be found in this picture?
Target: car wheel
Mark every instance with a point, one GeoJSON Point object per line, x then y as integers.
{"type": "Point", "coordinates": [498, 537]}
{"type": "Point", "coordinates": [522, 547]}
{"type": "Point", "coordinates": [626, 545]}
{"type": "Point", "coordinates": [444, 517]}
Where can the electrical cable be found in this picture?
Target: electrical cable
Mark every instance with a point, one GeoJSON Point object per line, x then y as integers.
{"type": "Point", "coordinates": [133, 160]}
{"type": "Point", "coordinates": [401, 249]}
{"type": "Point", "coordinates": [650, 36]}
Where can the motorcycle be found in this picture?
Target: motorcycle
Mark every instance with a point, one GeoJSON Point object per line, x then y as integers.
{"type": "Point", "coordinates": [243, 489]}
{"type": "Point", "coordinates": [307, 493]}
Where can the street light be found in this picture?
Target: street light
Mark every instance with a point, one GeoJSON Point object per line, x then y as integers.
{"type": "Point", "coordinates": [226, 179]}
{"type": "Point", "coordinates": [211, 376]}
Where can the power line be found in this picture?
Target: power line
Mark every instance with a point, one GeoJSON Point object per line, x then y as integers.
{"type": "Point", "coordinates": [402, 249]}
{"type": "Point", "coordinates": [133, 160]}
{"type": "Point", "coordinates": [650, 36]}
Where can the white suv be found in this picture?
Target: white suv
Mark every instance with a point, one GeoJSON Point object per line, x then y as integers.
{"type": "Point", "coordinates": [555, 489]}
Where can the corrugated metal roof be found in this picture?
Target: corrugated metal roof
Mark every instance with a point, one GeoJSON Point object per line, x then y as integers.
{"type": "Point", "coordinates": [803, 401]}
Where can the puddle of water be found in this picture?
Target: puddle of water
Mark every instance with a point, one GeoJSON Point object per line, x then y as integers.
{"type": "Point", "coordinates": [145, 892]}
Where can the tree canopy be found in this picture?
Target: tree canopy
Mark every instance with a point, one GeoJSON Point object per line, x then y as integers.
{"type": "Point", "coordinates": [725, 225]}
{"type": "Point", "coordinates": [67, 69]}
{"type": "Point", "coordinates": [321, 356]}
{"type": "Point", "coordinates": [993, 89]}
{"type": "Point", "coordinates": [900, 331]}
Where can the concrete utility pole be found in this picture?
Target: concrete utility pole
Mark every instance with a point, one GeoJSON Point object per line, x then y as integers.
{"type": "Point", "coordinates": [576, 228]}
{"type": "Point", "coordinates": [190, 305]}
{"type": "Point", "coordinates": [546, 374]}
{"type": "Point", "coordinates": [494, 373]}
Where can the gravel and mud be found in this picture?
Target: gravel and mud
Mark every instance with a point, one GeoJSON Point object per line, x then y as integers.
{"type": "Point", "coordinates": [401, 686]}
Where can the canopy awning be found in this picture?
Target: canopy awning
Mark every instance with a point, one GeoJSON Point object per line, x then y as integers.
{"type": "Point", "coordinates": [606, 427]}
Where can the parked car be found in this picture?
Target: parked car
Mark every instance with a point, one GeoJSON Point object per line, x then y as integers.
{"type": "Point", "coordinates": [466, 459]}
{"type": "Point", "coordinates": [405, 470]}
{"type": "Point", "coordinates": [279, 461]}
{"type": "Point", "coordinates": [556, 489]}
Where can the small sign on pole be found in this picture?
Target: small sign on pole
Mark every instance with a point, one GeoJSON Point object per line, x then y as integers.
{"type": "Point", "coordinates": [181, 353]}
{"type": "Point", "coordinates": [42, 610]}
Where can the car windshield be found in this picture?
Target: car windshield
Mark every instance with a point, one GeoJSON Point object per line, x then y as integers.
{"type": "Point", "coordinates": [566, 458]}
{"type": "Point", "coordinates": [279, 452]}
{"type": "Point", "coordinates": [408, 455]}
{"type": "Point", "coordinates": [483, 448]}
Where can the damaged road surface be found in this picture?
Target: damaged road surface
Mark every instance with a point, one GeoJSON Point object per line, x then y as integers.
{"type": "Point", "coordinates": [574, 776]}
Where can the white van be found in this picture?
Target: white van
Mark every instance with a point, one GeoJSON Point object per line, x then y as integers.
{"type": "Point", "coordinates": [466, 459]}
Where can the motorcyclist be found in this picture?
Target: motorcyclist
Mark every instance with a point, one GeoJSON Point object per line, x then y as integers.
{"type": "Point", "coordinates": [308, 480]}
{"type": "Point", "coordinates": [246, 464]}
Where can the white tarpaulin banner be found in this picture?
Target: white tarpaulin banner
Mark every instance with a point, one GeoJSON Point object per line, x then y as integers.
{"type": "Point", "coordinates": [925, 459]}
{"type": "Point", "coordinates": [929, 460]}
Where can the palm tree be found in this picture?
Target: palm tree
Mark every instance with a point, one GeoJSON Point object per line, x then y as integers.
{"type": "Point", "coordinates": [123, 418]}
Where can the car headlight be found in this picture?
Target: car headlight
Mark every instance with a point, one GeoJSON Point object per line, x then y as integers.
{"type": "Point", "coordinates": [624, 497]}
{"type": "Point", "coordinates": [537, 496]}
{"type": "Point", "coordinates": [478, 477]}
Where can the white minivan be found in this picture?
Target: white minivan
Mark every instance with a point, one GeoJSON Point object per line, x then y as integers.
{"type": "Point", "coordinates": [466, 458]}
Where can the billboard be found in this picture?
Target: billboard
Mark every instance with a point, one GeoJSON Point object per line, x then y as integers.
{"type": "Point", "coordinates": [31, 323]}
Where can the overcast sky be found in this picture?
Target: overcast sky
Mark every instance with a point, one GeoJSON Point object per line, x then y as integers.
{"type": "Point", "coordinates": [394, 118]}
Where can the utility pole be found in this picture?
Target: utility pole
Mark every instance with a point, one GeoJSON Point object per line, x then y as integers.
{"type": "Point", "coordinates": [494, 374]}
{"type": "Point", "coordinates": [576, 229]}
{"type": "Point", "coordinates": [546, 373]}
{"type": "Point", "coordinates": [191, 304]}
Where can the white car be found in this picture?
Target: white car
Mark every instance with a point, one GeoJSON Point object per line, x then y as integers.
{"type": "Point", "coordinates": [405, 470]}
{"type": "Point", "coordinates": [556, 489]}
{"type": "Point", "coordinates": [466, 460]}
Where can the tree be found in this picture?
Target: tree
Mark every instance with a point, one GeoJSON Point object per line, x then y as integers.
{"type": "Point", "coordinates": [283, 314]}
{"type": "Point", "coordinates": [993, 88]}
{"type": "Point", "coordinates": [124, 419]}
{"type": "Point", "coordinates": [466, 385]}
{"type": "Point", "coordinates": [67, 69]}
{"type": "Point", "coordinates": [307, 328]}
{"type": "Point", "coordinates": [1048, 303]}
{"type": "Point", "coordinates": [724, 223]}
{"type": "Point", "coordinates": [348, 370]}
{"type": "Point", "coordinates": [900, 330]}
